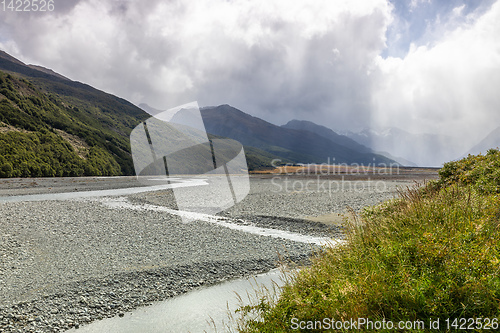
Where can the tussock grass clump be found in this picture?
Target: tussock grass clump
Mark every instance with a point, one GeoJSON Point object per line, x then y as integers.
{"type": "Point", "coordinates": [482, 171]}
{"type": "Point", "coordinates": [433, 253]}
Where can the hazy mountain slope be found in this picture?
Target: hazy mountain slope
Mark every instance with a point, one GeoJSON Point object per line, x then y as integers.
{"type": "Point", "coordinates": [341, 139]}
{"type": "Point", "coordinates": [297, 145]}
{"type": "Point", "coordinates": [398, 159]}
{"type": "Point", "coordinates": [256, 158]}
{"type": "Point", "coordinates": [422, 149]}
{"type": "Point", "coordinates": [327, 133]}
{"type": "Point", "coordinates": [149, 109]}
{"type": "Point", "coordinates": [492, 140]}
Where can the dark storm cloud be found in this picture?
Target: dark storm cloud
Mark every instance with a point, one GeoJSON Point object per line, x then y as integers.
{"type": "Point", "coordinates": [277, 59]}
{"type": "Point", "coordinates": [317, 60]}
{"type": "Point", "coordinates": [321, 76]}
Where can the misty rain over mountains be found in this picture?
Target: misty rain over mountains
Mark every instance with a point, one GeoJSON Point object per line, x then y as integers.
{"type": "Point", "coordinates": [92, 129]}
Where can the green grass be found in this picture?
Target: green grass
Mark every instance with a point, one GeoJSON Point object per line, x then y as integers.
{"type": "Point", "coordinates": [482, 171]}
{"type": "Point", "coordinates": [433, 253]}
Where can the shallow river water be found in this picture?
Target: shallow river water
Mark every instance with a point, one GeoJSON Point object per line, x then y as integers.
{"type": "Point", "coordinates": [201, 310]}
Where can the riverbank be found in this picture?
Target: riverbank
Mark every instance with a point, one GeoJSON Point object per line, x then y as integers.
{"type": "Point", "coordinates": [428, 261]}
{"type": "Point", "coordinates": [65, 263]}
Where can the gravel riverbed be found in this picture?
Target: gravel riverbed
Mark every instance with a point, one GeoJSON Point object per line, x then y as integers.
{"type": "Point", "coordinates": [66, 263]}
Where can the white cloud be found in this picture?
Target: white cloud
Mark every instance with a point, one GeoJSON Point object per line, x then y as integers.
{"type": "Point", "coordinates": [416, 3]}
{"type": "Point", "coordinates": [449, 87]}
{"type": "Point", "coordinates": [457, 11]}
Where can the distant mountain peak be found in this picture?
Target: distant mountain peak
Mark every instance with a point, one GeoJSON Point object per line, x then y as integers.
{"type": "Point", "coordinates": [297, 121]}
{"type": "Point", "coordinates": [296, 145]}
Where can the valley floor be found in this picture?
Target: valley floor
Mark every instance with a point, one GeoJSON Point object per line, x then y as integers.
{"type": "Point", "coordinates": [64, 263]}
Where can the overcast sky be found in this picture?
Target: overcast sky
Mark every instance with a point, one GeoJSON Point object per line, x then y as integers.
{"type": "Point", "coordinates": [421, 65]}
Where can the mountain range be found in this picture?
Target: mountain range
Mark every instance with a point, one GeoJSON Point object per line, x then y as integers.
{"type": "Point", "coordinates": [53, 126]}
{"type": "Point", "coordinates": [342, 139]}
{"type": "Point", "coordinates": [297, 145]}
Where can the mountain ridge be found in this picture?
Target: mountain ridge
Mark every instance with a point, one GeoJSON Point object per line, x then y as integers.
{"type": "Point", "coordinates": [492, 140]}
{"type": "Point", "coordinates": [88, 126]}
{"type": "Point", "coordinates": [298, 145]}
{"type": "Point", "coordinates": [327, 133]}
{"type": "Point", "coordinates": [38, 104]}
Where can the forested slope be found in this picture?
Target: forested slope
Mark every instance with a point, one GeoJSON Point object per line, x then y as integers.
{"type": "Point", "coordinates": [44, 134]}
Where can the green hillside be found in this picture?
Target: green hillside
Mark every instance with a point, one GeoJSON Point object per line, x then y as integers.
{"type": "Point", "coordinates": [52, 126]}
{"type": "Point", "coordinates": [90, 126]}
{"type": "Point", "coordinates": [36, 128]}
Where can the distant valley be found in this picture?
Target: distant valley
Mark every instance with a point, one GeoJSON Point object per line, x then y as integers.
{"type": "Point", "coordinates": [410, 148]}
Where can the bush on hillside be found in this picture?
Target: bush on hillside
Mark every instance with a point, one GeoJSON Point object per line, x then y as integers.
{"type": "Point", "coordinates": [482, 171]}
